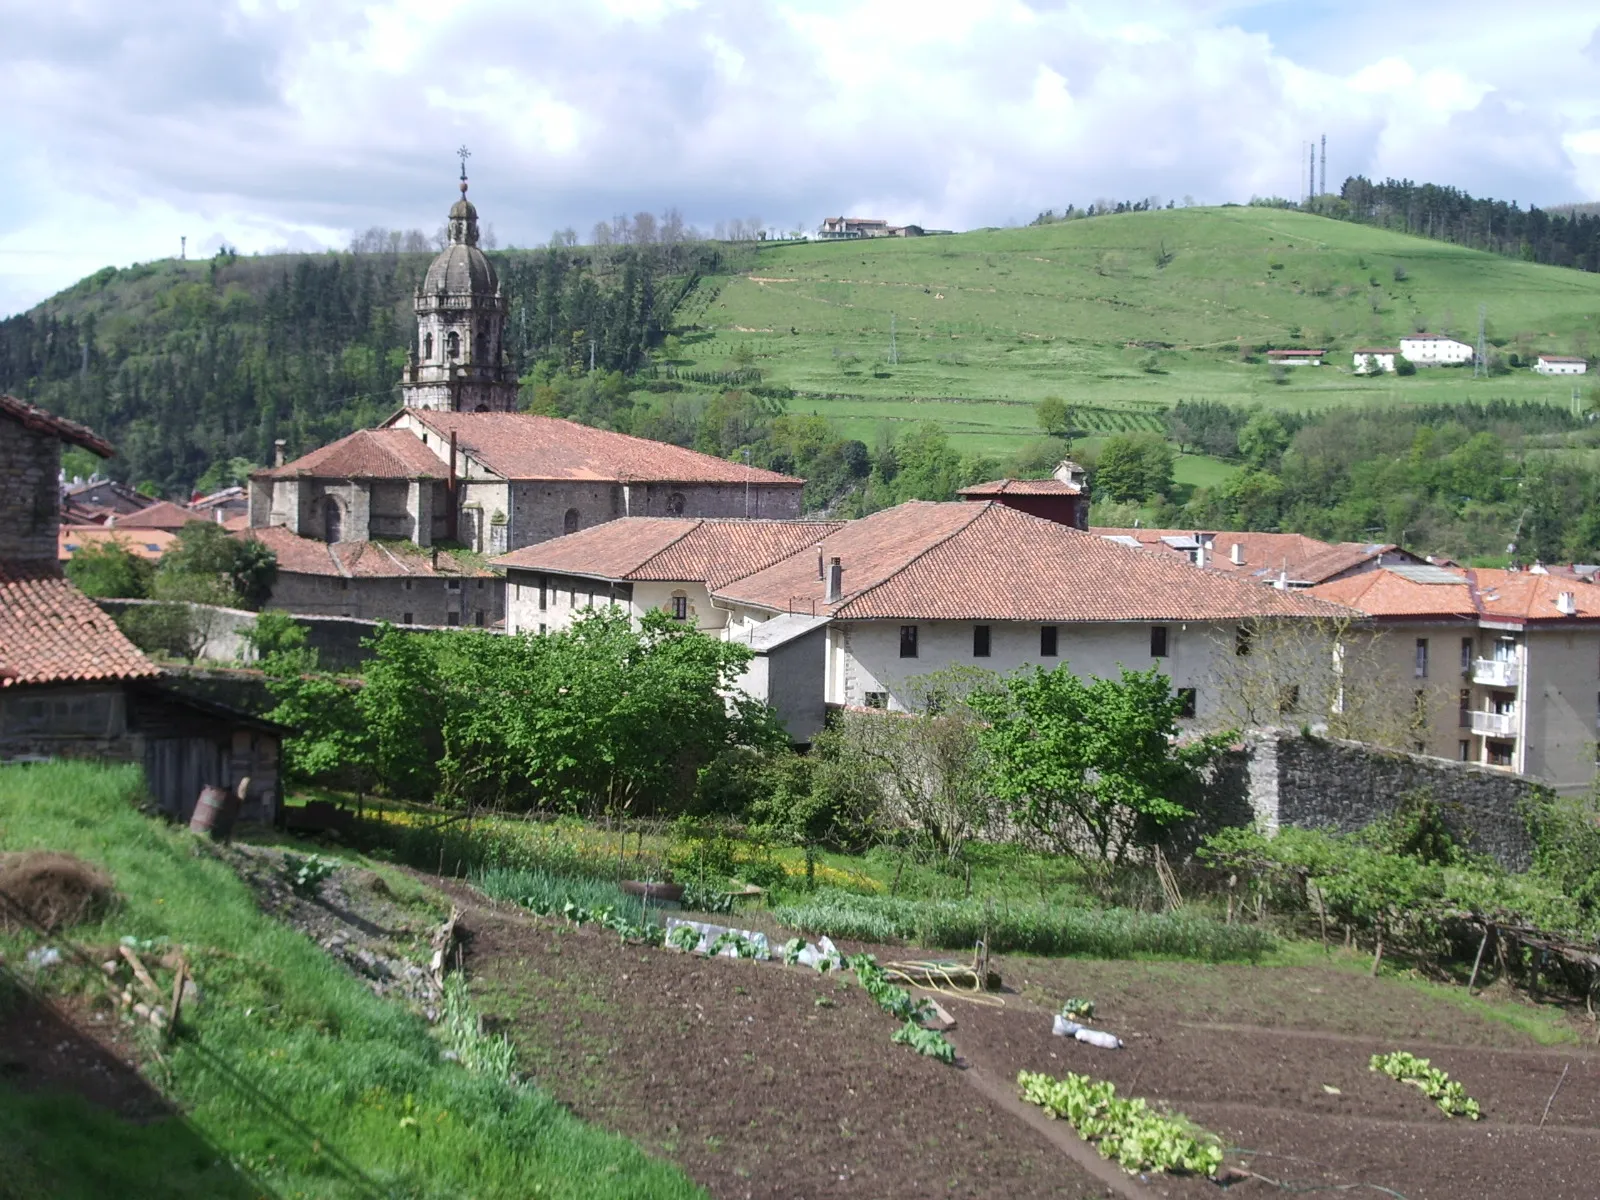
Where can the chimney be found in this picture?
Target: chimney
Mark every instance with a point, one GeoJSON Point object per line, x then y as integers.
{"type": "Point", "coordinates": [1236, 555]}
{"type": "Point", "coordinates": [1566, 603]}
{"type": "Point", "coordinates": [821, 570]}
{"type": "Point", "coordinates": [277, 452]}
{"type": "Point", "coordinates": [835, 581]}
{"type": "Point", "coordinates": [1199, 551]}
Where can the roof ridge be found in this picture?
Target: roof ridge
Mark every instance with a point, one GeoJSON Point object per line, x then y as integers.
{"type": "Point", "coordinates": [983, 509]}
{"type": "Point", "coordinates": [699, 522]}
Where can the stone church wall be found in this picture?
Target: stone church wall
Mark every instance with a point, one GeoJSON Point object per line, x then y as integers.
{"type": "Point", "coordinates": [30, 493]}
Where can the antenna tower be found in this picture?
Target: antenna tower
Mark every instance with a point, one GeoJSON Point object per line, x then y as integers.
{"type": "Point", "coordinates": [1312, 194]}
{"type": "Point", "coordinates": [1324, 191]}
{"type": "Point", "coordinates": [1480, 362]}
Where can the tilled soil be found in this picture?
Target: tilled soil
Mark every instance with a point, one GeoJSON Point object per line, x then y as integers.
{"type": "Point", "coordinates": [759, 1080]}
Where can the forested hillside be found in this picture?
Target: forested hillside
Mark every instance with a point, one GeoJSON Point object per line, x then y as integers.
{"type": "Point", "coordinates": [187, 364]}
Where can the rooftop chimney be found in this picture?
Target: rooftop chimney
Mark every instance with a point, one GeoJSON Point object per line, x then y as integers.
{"type": "Point", "coordinates": [1566, 603]}
{"type": "Point", "coordinates": [821, 570]}
{"type": "Point", "coordinates": [835, 581]}
{"type": "Point", "coordinates": [1199, 551]}
{"type": "Point", "coordinates": [277, 452]}
{"type": "Point", "coordinates": [1236, 555]}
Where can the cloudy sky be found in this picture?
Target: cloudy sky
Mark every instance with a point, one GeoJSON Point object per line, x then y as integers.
{"type": "Point", "coordinates": [274, 123]}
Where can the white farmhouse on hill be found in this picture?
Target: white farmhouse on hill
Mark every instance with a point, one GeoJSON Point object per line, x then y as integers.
{"type": "Point", "coordinates": [1560, 364]}
{"type": "Point", "coordinates": [1369, 360]}
{"type": "Point", "coordinates": [1435, 350]}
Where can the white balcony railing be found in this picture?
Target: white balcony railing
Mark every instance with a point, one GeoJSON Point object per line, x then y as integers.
{"type": "Point", "coordinates": [1497, 672]}
{"type": "Point", "coordinates": [1492, 724]}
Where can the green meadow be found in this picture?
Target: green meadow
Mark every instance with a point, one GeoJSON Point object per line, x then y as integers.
{"type": "Point", "coordinates": [1122, 316]}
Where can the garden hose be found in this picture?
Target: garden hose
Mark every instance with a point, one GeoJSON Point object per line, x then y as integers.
{"type": "Point", "coordinates": [942, 979]}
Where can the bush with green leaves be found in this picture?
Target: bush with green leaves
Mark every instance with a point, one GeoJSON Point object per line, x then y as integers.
{"type": "Point", "coordinates": [110, 570]}
{"type": "Point", "coordinates": [305, 874]}
{"type": "Point", "coordinates": [1420, 1073]}
{"type": "Point", "coordinates": [1127, 1131]}
{"type": "Point", "coordinates": [928, 1042]}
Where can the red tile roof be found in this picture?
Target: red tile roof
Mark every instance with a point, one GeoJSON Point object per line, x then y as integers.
{"type": "Point", "coordinates": [525, 446]}
{"type": "Point", "coordinates": [1265, 554]}
{"type": "Point", "coordinates": [709, 551]}
{"type": "Point", "coordinates": [1295, 353]}
{"type": "Point", "coordinates": [1346, 556]}
{"type": "Point", "coordinates": [366, 454]}
{"type": "Point", "coordinates": [357, 560]}
{"type": "Point", "coordinates": [50, 632]}
{"type": "Point", "coordinates": [987, 561]}
{"type": "Point", "coordinates": [1498, 595]}
{"type": "Point", "coordinates": [1021, 487]}
{"type": "Point", "coordinates": [163, 514]}
{"type": "Point", "coordinates": [145, 543]}
{"type": "Point", "coordinates": [40, 421]}
{"type": "Point", "coordinates": [1562, 358]}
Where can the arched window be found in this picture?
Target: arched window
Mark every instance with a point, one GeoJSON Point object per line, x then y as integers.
{"type": "Point", "coordinates": [569, 523]}
{"type": "Point", "coordinates": [427, 347]}
{"type": "Point", "coordinates": [332, 520]}
{"type": "Point", "coordinates": [452, 344]}
{"type": "Point", "coordinates": [675, 504]}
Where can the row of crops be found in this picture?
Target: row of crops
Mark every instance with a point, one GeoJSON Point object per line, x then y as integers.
{"type": "Point", "coordinates": [1093, 418]}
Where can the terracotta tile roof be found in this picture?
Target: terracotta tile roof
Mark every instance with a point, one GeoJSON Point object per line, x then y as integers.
{"type": "Point", "coordinates": [163, 514]}
{"type": "Point", "coordinates": [40, 421]}
{"type": "Point", "coordinates": [1021, 487]}
{"type": "Point", "coordinates": [1574, 358]}
{"type": "Point", "coordinates": [1265, 555]}
{"type": "Point", "coordinates": [987, 561]}
{"type": "Point", "coordinates": [525, 446]}
{"type": "Point", "coordinates": [50, 632]}
{"type": "Point", "coordinates": [1296, 353]}
{"type": "Point", "coordinates": [1346, 556]}
{"type": "Point", "coordinates": [357, 560]}
{"type": "Point", "coordinates": [709, 551]}
{"type": "Point", "coordinates": [1376, 350]}
{"type": "Point", "coordinates": [145, 543]}
{"type": "Point", "coordinates": [1496, 595]}
{"type": "Point", "coordinates": [366, 454]}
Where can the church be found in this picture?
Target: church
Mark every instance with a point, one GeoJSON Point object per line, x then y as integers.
{"type": "Point", "coordinates": [394, 523]}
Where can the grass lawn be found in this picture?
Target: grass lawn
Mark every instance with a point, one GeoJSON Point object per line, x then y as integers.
{"type": "Point", "coordinates": [986, 324]}
{"type": "Point", "coordinates": [289, 1073]}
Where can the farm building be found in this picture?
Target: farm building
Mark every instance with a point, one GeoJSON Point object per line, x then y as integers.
{"type": "Point", "coordinates": [71, 685]}
{"type": "Point", "coordinates": [853, 613]}
{"type": "Point", "coordinates": [1435, 350]}
{"type": "Point", "coordinates": [1370, 360]}
{"type": "Point", "coordinates": [1064, 497]}
{"type": "Point", "coordinates": [1561, 364]}
{"type": "Point", "coordinates": [1296, 358]}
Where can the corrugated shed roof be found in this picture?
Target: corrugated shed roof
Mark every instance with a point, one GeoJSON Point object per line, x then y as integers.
{"type": "Point", "coordinates": [366, 454]}
{"type": "Point", "coordinates": [986, 561]}
{"type": "Point", "coordinates": [40, 421]}
{"type": "Point", "coordinates": [50, 632]}
{"type": "Point", "coordinates": [526, 446]}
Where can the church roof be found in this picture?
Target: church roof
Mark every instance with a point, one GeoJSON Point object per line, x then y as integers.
{"type": "Point", "coordinates": [526, 446]}
{"type": "Point", "coordinates": [365, 454]}
{"type": "Point", "coordinates": [460, 269]}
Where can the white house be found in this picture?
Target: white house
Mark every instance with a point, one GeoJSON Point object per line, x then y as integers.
{"type": "Point", "coordinates": [1369, 360]}
{"type": "Point", "coordinates": [852, 613]}
{"type": "Point", "coordinates": [1561, 364]}
{"type": "Point", "coordinates": [1435, 350]}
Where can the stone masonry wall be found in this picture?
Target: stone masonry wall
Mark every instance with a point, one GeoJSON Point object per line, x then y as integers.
{"type": "Point", "coordinates": [30, 493]}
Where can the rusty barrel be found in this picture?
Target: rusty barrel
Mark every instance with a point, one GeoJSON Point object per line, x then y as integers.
{"type": "Point", "coordinates": [214, 813]}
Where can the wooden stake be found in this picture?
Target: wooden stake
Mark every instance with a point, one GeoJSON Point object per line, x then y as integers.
{"type": "Point", "coordinates": [177, 998]}
{"type": "Point", "coordinates": [1478, 961]}
{"type": "Point", "coordinates": [139, 971]}
{"type": "Point", "coordinates": [1377, 953]}
{"type": "Point", "coordinates": [1552, 1099]}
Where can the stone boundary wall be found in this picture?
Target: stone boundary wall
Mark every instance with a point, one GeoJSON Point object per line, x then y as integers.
{"type": "Point", "coordinates": [337, 640]}
{"type": "Point", "coordinates": [1281, 778]}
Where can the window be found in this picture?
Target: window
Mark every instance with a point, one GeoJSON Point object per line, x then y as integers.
{"type": "Point", "coordinates": [477, 619]}
{"type": "Point", "coordinates": [1464, 750]}
{"type": "Point", "coordinates": [1288, 698]}
{"type": "Point", "coordinates": [405, 619]}
{"type": "Point", "coordinates": [1158, 641]}
{"type": "Point", "coordinates": [1047, 640]}
{"type": "Point", "coordinates": [480, 585]}
{"type": "Point", "coordinates": [453, 585]}
{"type": "Point", "coordinates": [1189, 697]}
{"type": "Point", "coordinates": [1422, 658]}
{"type": "Point", "coordinates": [344, 585]}
{"type": "Point", "coordinates": [1241, 640]}
{"type": "Point", "coordinates": [452, 344]}
{"type": "Point", "coordinates": [980, 641]}
{"type": "Point", "coordinates": [452, 618]}
{"type": "Point", "coordinates": [1464, 707]}
{"type": "Point", "coordinates": [542, 582]}
{"type": "Point", "coordinates": [427, 347]}
{"type": "Point", "coordinates": [541, 628]}
{"type": "Point", "coordinates": [569, 522]}
{"type": "Point", "coordinates": [1499, 753]}
{"type": "Point", "coordinates": [680, 607]}
{"type": "Point", "coordinates": [332, 520]}
{"type": "Point", "coordinates": [1466, 656]}
{"type": "Point", "coordinates": [405, 585]}
{"type": "Point", "coordinates": [877, 699]}
{"type": "Point", "coordinates": [908, 641]}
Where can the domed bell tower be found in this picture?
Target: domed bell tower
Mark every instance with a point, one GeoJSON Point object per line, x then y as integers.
{"type": "Point", "coordinates": [458, 363]}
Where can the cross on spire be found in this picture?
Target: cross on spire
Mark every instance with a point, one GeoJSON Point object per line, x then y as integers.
{"type": "Point", "coordinates": [463, 154]}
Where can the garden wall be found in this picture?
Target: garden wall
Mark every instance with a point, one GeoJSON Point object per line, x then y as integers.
{"type": "Point", "coordinates": [1283, 778]}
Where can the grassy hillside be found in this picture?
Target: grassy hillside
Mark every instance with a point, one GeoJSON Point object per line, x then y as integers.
{"type": "Point", "coordinates": [988, 323]}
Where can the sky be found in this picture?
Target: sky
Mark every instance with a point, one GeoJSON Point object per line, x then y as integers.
{"type": "Point", "coordinates": [273, 124]}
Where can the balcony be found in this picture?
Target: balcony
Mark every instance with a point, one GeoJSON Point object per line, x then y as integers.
{"type": "Point", "coordinates": [1491, 724]}
{"type": "Point", "coordinates": [1497, 672]}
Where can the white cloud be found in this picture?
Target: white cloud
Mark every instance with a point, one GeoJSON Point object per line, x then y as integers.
{"type": "Point", "coordinates": [267, 122]}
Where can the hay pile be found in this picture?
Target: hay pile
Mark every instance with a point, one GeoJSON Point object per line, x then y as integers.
{"type": "Point", "coordinates": [43, 889]}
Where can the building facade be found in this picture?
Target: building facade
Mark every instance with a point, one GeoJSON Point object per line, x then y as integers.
{"type": "Point", "coordinates": [1370, 360]}
{"type": "Point", "coordinates": [1063, 498]}
{"type": "Point", "coordinates": [1560, 364]}
{"type": "Point", "coordinates": [1435, 350]}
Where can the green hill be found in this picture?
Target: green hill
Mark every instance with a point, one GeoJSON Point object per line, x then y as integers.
{"type": "Point", "coordinates": [1122, 316]}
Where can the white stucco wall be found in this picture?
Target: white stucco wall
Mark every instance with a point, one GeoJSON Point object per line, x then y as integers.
{"type": "Point", "coordinates": [1544, 367]}
{"type": "Point", "coordinates": [1428, 352]}
{"type": "Point", "coordinates": [1561, 692]}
